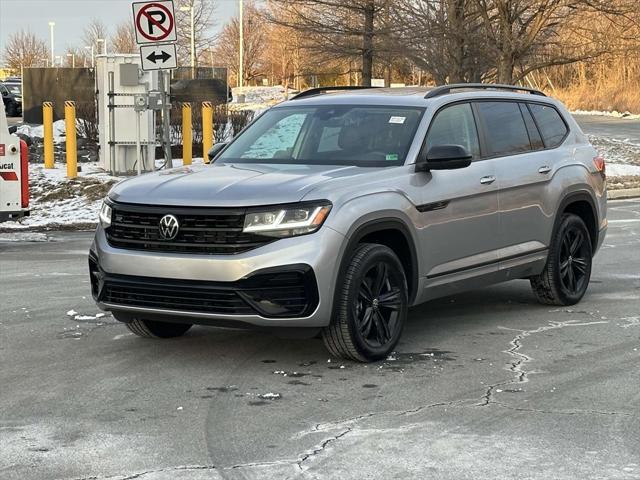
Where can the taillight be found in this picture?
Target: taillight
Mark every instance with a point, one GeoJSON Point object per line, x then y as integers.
{"type": "Point", "coordinates": [24, 173]}
{"type": "Point", "coordinates": [600, 164]}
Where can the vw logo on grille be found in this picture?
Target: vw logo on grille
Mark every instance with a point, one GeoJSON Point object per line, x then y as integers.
{"type": "Point", "coordinates": [169, 227]}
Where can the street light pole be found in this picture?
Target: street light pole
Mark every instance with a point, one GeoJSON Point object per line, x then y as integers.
{"type": "Point", "coordinates": [92, 56]}
{"type": "Point", "coordinates": [190, 8]}
{"type": "Point", "coordinates": [104, 42]}
{"type": "Point", "coordinates": [53, 58]}
{"type": "Point", "coordinates": [241, 27]}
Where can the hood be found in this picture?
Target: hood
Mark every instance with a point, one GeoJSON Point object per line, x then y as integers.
{"type": "Point", "coordinates": [228, 185]}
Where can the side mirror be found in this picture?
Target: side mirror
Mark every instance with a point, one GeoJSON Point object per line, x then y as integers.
{"type": "Point", "coordinates": [217, 148]}
{"type": "Point", "coordinates": [444, 157]}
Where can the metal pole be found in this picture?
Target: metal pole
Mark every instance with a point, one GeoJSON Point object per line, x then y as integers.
{"type": "Point", "coordinates": [70, 132]}
{"type": "Point", "coordinates": [47, 120]}
{"type": "Point", "coordinates": [92, 57]}
{"type": "Point", "coordinates": [193, 45]}
{"type": "Point", "coordinates": [138, 156]}
{"type": "Point", "coordinates": [241, 26]}
{"type": "Point", "coordinates": [53, 58]}
{"type": "Point", "coordinates": [166, 126]}
{"type": "Point", "coordinates": [207, 130]}
{"type": "Point", "coordinates": [187, 134]}
{"type": "Point", "coordinates": [112, 126]}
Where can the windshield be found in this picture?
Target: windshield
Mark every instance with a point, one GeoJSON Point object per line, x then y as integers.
{"type": "Point", "coordinates": [360, 135]}
{"type": "Point", "coordinates": [15, 89]}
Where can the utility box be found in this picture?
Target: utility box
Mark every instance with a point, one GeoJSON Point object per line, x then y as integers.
{"type": "Point", "coordinates": [120, 80]}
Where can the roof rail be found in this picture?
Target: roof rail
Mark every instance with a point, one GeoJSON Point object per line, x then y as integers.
{"type": "Point", "coordinates": [319, 90]}
{"type": "Point", "coordinates": [447, 89]}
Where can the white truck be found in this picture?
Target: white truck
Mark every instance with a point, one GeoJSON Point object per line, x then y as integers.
{"type": "Point", "coordinates": [14, 173]}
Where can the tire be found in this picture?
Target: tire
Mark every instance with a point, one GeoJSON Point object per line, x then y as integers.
{"type": "Point", "coordinates": [12, 110]}
{"type": "Point", "coordinates": [566, 275]}
{"type": "Point", "coordinates": [371, 306]}
{"type": "Point", "coordinates": [152, 329]}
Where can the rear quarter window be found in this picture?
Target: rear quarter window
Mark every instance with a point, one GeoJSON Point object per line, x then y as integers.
{"type": "Point", "coordinates": [550, 123]}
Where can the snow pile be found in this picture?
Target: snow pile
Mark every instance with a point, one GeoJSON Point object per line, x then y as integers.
{"type": "Point", "coordinates": [57, 201]}
{"type": "Point", "coordinates": [259, 99]}
{"type": "Point", "coordinates": [627, 115]}
{"type": "Point", "coordinates": [60, 202]}
{"type": "Point", "coordinates": [38, 130]}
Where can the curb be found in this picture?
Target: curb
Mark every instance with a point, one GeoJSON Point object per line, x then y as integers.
{"type": "Point", "coordinates": [623, 193]}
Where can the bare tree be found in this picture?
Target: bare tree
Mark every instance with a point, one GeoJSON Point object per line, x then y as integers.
{"type": "Point", "coordinates": [94, 31]}
{"type": "Point", "coordinates": [342, 29]}
{"type": "Point", "coordinates": [24, 49]}
{"type": "Point", "coordinates": [444, 38]}
{"type": "Point", "coordinates": [203, 21]}
{"type": "Point", "coordinates": [525, 35]}
{"type": "Point", "coordinates": [255, 36]}
{"type": "Point", "coordinates": [124, 40]}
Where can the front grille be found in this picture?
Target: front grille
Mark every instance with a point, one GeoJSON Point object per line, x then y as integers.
{"type": "Point", "coordinates": [202, 230]}
{"type": "Point", "coordinates": [278, 293]}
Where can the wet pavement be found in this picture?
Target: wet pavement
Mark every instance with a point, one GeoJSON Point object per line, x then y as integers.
{"type": "Point", "coordinates": [484, 385]}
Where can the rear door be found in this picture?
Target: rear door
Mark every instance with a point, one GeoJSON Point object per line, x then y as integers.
{"type": "Point", "coordinates": [458, 209]}
{"type": "Point", "coordinates": [524, 168]}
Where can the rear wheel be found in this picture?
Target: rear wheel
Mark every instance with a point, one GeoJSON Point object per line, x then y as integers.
{"type": "Point", "coordinates": [566, 275]}
{"type": "Point", "coordinates": [371, 306]}
{"type": "Point", "coordinates": [152, 329]}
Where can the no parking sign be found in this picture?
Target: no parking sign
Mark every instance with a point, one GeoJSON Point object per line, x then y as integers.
{"type": "Point", "coordinates": [154, 21]}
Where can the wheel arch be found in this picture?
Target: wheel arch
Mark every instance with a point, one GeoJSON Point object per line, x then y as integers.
{"type": "Point", "coordinates": [396, 235]}
{"type": "Point", "coordinates": [583, 205]}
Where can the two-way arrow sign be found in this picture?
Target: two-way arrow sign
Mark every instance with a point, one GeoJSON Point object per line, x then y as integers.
{"type": "Point", "coordinates": [158, 57]}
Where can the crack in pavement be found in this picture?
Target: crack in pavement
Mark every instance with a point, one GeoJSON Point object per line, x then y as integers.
{"type": "Point", "coordinates": [301, 458]}
{"type": "Point", "coordinates": [148, 472]}
{"type": "Point", "coordinates": [320, 427]}
{"type": "Point", "coordinates": [562, 412]}
{"type": "Point", "coordinates": [521, 359]}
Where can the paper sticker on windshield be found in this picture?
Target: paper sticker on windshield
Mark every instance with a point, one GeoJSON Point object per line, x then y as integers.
{"type": "Point", "coordinates": [399, 120]}
{"type": "Point", "coordinates": [392, 156]}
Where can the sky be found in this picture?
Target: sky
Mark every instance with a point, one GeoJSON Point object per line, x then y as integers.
{"type": "Point", "coordinates": [71, 16]}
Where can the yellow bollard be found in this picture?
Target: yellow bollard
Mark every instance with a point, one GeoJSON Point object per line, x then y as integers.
{"type": "Point", "coordinates": [207, 129]}
{"type": "Point", "coordinates": [47, 120]}
{"type": "Point", "coordinates": [187, 134]}
{"type": "Point", "coordinates": [70, 132]}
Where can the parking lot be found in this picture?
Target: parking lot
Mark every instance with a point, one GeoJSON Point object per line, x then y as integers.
{"type": "Point", "coordinates": [488, 384]}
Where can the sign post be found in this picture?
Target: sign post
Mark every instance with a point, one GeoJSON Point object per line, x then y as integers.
{"type": "Point", "coordinates": [155, 26]}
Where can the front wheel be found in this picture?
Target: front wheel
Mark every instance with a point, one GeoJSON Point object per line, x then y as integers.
{"type": "Point", "coordinates": [566, 275]}
{"type": "Point", "coordinates": [371, 306]}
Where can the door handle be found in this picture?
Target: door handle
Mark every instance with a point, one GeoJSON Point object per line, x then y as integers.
{"type": "Point", "coordinates": [489, 179]}
{"type": "Point", "coordinates": [544, 169]}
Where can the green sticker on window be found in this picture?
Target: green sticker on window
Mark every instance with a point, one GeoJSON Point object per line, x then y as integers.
{"type": "Point", "coordinates": [392, 156]}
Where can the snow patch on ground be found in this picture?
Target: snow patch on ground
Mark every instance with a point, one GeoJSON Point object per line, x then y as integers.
{"type": "Point", "coordinates": [627, 115]}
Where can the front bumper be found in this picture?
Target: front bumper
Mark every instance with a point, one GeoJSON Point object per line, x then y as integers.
{"type": "Point", "coordinates": [313, 256]}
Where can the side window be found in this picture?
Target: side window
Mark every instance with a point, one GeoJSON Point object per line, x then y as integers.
{"type": "Point", "coordinates": [532, 129]}
{"type": "Point", "coordinates": [455, 125]}
{"type": "Point", "coordinates": [504, 128]}
{"type": "Point", "coordinates": [552, 127]}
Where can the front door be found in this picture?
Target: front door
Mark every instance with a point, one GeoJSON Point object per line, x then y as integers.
{"type": "Point", "coordinates": [458, 208]}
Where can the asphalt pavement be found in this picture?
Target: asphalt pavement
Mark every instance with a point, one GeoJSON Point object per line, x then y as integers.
{"type": "Point", "coordinates": [484, 385]}
{"type": "Point", "coordinates": [610, 127]}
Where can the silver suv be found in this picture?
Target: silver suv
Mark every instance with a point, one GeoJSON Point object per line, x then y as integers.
{"type": "Point", "coordinates": [336, 211]}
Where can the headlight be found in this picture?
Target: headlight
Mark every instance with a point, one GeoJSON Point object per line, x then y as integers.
{"type": "Point", "coordinates": [105, 215]}
{"type": "Point", "coordinates": [287, 222]}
